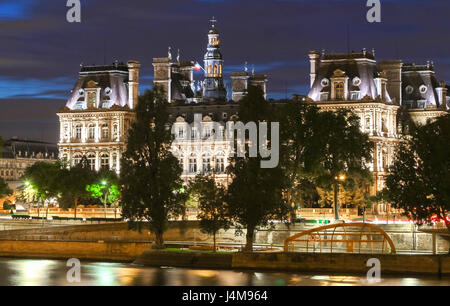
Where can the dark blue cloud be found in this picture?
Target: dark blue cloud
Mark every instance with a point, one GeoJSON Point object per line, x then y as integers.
{"type": "Point", "coordinates": [41, 52]}
{"type": "Point", "coordinates": [15, 9]}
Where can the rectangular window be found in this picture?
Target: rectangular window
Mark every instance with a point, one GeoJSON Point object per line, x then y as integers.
{"type": "Point", "coordinates": [207, 132]}
{"type": "Point", "coordinates": [105, 132]}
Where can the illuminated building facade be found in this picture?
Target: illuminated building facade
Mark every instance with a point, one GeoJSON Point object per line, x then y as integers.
{"type": "Point", "coordinates": [199, 110]}
{"type": "Point", "coordinates": [375, 91]}
{"type": "Point", "coordinates": [95, 121]}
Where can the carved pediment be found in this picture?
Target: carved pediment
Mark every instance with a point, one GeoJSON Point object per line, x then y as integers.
{"type": "Point", "coordinates": [92, 84]}
{"type": "Point", "coordinates": [180, 119]}
{"type": "Point", "coordinates": [338, 73]}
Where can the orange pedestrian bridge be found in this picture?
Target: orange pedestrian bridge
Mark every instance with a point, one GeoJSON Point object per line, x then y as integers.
{"type": "Point", "coordinates": [362, 238]}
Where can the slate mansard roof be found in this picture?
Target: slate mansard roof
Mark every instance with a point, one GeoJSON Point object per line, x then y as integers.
{"type": "Point", "coordinates": [112, 81]}
{"type": "Point", "coordinates": [360, 65]}
{"type": "Point", "coordinates": [19, 148]}
{"type": "Point", "coordinates": [419, 85]}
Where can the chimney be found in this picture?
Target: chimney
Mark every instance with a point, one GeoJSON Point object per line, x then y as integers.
{"type": "Point", "coordinates": [393, 71]}
{"type": "Point", "coordinates": [133, 83]}
{"type": "Point", "coordinates": [442, 95]}
{"type": "Point", "coordinates": [314, 58]}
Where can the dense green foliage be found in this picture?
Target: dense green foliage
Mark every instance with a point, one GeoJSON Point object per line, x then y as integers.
{"type": "Point", "coordinates": [256, 195]}
{"type": "Point", "coordinates": [419, 180]}
{"type": "Point", "coordinates": [319, 146]}
{"type": "Point", "coordinates": [4, 189]}
{"type": "Point", "coordinates": [150, 174]}
{"type": "Point", "coordinates": [213, 213]}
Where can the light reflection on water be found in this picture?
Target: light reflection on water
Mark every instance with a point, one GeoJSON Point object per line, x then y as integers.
{"type": "Point", "coordinates": [30, 272]}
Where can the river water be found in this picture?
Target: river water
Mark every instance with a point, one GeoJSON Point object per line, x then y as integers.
{"type": "Point", "coordinates": [34, 272]}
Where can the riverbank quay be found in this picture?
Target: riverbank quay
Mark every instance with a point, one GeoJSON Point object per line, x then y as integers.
{"type": "Point", "coordinates": [116, 251]}
{"type": "Point", "coordinates": [431, 265]}
{"type": "Point", "coordinates": [406, 237]}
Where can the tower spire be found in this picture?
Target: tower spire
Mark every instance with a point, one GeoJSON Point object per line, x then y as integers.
{"type": "Point", "coordinates": [213, 22]}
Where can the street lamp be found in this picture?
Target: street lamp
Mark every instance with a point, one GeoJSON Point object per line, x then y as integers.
{"type": "Point", "coordinates": [338, 179]}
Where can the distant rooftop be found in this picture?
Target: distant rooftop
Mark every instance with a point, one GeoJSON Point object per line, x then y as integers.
{"type": "Point", "coordinates": [414, 67]}
{"type": "Point", "coordinates": [98, 68]}
{"type": "Point", "coordinates": [352, 55]}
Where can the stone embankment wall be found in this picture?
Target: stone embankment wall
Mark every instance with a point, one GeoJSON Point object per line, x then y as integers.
{"type": "Point", "coordinates": [405, 237]}
{"type": "Point", "coordinates": [157, 258]}
{"type": "Point", "coordinates": [432, 265]}
{"type": "Point", "coordinates": [100, 250]}
{"type": "Point", "coordinates": [343, 263]}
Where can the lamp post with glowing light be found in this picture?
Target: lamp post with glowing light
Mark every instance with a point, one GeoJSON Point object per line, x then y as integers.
{"type": "Point", "coordinates": [337, 180]}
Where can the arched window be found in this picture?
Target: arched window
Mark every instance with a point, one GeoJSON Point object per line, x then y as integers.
{"type": "Point", "coordinates": [206, 163]}
{"type": "Point", "coordinates": [91, 161]}
{"type": "Point", "coordinates": [192, 164]}
{"type": "Point", "coordinates": [209, 69]}
{"type": "Point", "coordinates": [104, 161]}
{"type": "Point", "coordinates": [114, 162]}
{"type": "Point", "coordinates": [76, 159]}
{"type": "Point", "coordinates": [216, 70]}
{"type": "Point", "coordinates": [220, 163]}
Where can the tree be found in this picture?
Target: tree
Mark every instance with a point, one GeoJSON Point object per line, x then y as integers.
{"type": "Point", "coordinates": [318, 147]}
{"type": "Point", "coordinates": [213, 213]}
{"type": "Point", "coordinates": [45, 179]}
{"type": "Point", "coordinates": [150, 174]}
{"type": "Point", "coordinates": [255, 196]}
{"type": "Point", "coordinates": [4, 189]}
{"type": "Point", "coordinates": [107, 190]}
{"type": "Point", "coordinates": [300, 125]}
{"type": "Point", "coordinates": [1, 146]}
{"type": "Point", "coordinates": [74, 181]}
{"type": "Point", "coordinates": [419, 179]}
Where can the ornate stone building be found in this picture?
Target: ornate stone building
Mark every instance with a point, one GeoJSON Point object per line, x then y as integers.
{"type": "Point", "coordinates": [200, 110]}
{"type": "Point", "coordinates": [95, 121]}
{"type": "Point", "coordinates": [17, 154]}
{"type": "Point", "coordinates": [375, 92]}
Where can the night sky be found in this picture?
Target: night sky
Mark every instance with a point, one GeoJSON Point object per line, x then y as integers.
{"type": "Point", "coordinates": [41, 52]}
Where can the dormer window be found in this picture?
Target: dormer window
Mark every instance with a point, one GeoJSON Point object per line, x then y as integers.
{"type": "Point", "coordinates": [325, 82]}
{"type": "Point", "coordinates": [423, 89]}
{"type": "Point", "coordinates": [409, 89]}
{"type": "Point", "coordinates": [356, 81]}
{"type": "Point", "coordinates": [339, 85]}
{"type": "Point", "coordinates": [355, 95]}
{"type": "Point", "coordinates": [324, 96]}
{"type": "Point", "coordinates": [339, 91]}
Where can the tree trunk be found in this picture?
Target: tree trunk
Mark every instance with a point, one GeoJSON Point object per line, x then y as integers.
{"type": "Point", "coordinates": [214, 239]}
{"type": "Point", "coordinates": [336, 201]}
{"type": "Point", "coordinates": [249, 239]}
{"type": "Point", "coordinates": [159, 241]}
{"type": "Point", "coordinates": [76, 205]}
